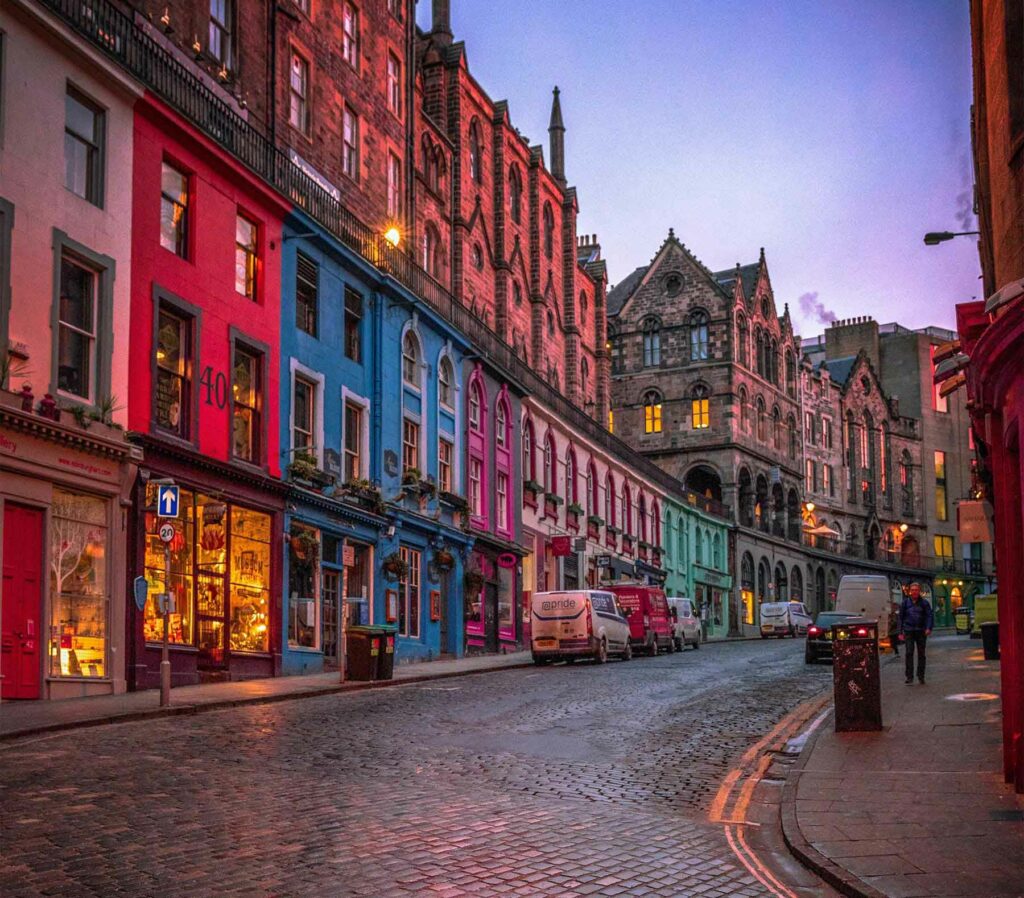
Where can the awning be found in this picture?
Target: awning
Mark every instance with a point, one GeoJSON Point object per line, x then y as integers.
{"type": "Point", "coordinates": [822, 530]}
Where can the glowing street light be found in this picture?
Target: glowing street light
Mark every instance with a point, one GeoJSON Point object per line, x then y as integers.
{"type": "Point", "coordinates": [903, 528]}
{"type": "Point", "coordinates": [393, 235]}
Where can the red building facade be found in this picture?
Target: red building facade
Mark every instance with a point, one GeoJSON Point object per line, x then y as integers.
{"type": "Point", "coordinates": [203, 356]}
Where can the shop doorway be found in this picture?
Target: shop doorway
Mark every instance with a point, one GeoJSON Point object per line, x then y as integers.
{"type": "Point", "coordinates": [330, 630]}
{"type": "Point", "coordinates": [22, 602]}
{"type": "Point", "coordinates": [490, 617]}
{"type": "Point", "coordinates": [443, 611]}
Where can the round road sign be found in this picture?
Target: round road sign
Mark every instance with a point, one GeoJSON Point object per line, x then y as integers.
{"type": "Point", "coordinates": [166, 532]}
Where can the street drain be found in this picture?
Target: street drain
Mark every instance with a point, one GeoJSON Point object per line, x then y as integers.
{"type": "Point", "coordinates": [1007, 816]}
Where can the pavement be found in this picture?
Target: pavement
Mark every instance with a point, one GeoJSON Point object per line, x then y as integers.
{"type": "Point", "coordinates": [920, 808]}
{"type": "Point", "coordinates": [18, 719]}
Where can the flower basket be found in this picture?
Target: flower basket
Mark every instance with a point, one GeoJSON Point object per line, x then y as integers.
{"type": "Point", "coordinates": [305, 546]}
{"type": "Point", "coordinates": [411, 477]}
{"type": "Point", "coordinates": [444, 560]}
{"type": "Point", "coordinates": [394, 567]}
{"type": "Point", "coordinates": [595, 520]}
{"type": "Point", "coordinates": [532, 486]}
{"type": "Point", "coordinates": [303, 467]}
{"type": "Point", "coordinates": [554, 499]}
{"type": "Point", "coordinates": [455, 502]}
{"type": "Point", "coordinates": [474, 582]}
{"type": "Point", "coordinates": [576, 509]}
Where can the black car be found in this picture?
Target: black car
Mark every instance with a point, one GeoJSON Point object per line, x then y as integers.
{"type": "Point", "coordinates": [819, 635]}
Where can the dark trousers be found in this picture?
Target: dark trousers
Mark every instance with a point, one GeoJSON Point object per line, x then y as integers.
{"type": "Point", "coordinates": [894, 641]}
{"type": "Point", "coordinates": [915, 639]}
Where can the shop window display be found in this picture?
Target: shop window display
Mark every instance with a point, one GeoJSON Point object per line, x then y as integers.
{"type": "Point", "coordinates": [78, 585]}
{"type": "Point", "coordinates": [303, 566]}
{"type": "Point", "coordinates": [181, 620]}
{"type": "Point", "coordinates": [250, 581]}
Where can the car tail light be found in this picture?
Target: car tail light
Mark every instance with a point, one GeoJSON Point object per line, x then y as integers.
{"type": "Point", "coordinates": [862, 631]}
{"type": "Point", "coordinates": [813, 631]}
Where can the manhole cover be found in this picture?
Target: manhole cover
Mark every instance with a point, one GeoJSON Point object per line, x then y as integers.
{"type": "Point", "coordinates": [972, 697]}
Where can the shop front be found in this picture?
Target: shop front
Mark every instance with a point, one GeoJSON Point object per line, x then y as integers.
{"type": "Point", "coordinates": [492, 596]}
{"type": "Point", "coordinates": [61, 489]}
{"type": "Point", "coordinates": [222, 568]}
{"type": "Point", "coordinates": [711, 595]}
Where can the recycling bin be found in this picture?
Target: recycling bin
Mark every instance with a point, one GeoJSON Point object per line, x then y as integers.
{"type": "Point", "coordinates": [990, 640]}
{"type": "Point", "coordinates": [855, 677]}
{"type": "Point", "coordinates": [962, 620]}
{"type": "Point", "coordinates": [386, 656]}
{"type": "Point", "coordinates": [361, 659]}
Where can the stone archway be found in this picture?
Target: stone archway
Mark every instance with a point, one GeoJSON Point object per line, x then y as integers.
{"type": "Point", "coordinates": [745, 497]}
{"type": "Point", "coordinates": [705, 481]}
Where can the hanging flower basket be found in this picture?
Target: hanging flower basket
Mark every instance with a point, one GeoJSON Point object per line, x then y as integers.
{"type": "Point", "coordinates": [474, 582]}
{"type": "Point", "coordinates": [305, 546]}
{"type": "Point", "coordinates": [444, 559]}
{"type": "Point", "coordinates": [394, 567]}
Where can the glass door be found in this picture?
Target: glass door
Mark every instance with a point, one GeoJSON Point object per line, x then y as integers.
{"type": "Point", "coordinates": [211, 582]}
{"type": "Point", "coordinates": [329, 619]}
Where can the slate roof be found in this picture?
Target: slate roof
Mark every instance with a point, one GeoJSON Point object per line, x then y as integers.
{"type": "Point", "coordinates": [839, 369]}
{"type": "Point", "coordinates": [624, 289]}
{"type": "Point", "coordinates": [748, 275]}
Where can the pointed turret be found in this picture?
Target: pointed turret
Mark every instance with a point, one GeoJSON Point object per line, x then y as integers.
{"type": "Point", "coordinates": [556, 135]}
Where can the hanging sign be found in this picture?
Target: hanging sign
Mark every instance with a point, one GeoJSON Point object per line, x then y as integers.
{"type": "Point", "coordinates": [506, 560]}
{"type": "Point", "coordinates": [140, 588]}
{"type": "Point", "coordinates": [974, 521]}
{"type": "Point", "coordinates": [561, 546]}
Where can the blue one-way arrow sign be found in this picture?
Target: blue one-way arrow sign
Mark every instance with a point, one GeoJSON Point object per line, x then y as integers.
{"type": "Point", "coordinates": [167, 501]}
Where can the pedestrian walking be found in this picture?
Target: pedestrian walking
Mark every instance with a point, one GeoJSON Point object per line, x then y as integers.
{"type": "Point", "coordinates": [916, 622]}
{"type": "Point", "coordinates": [894, 628]}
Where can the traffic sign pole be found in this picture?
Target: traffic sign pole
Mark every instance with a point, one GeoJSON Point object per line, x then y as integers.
{"type": "Point", "coordinates": [165, 653]}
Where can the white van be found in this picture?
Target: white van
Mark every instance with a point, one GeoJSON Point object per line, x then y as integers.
{"type": "Point", "coordinates": [784, 619]}
{"type": "Point", "coordinates": [869, 596]}
{"type": "Point", "coordinates": [685, 622]}
{"type": "Point", "coordinates": [578, 623]}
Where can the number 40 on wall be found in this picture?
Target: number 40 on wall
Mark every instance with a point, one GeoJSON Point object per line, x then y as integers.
{"type": "Point", "coordinates": [216, 387]}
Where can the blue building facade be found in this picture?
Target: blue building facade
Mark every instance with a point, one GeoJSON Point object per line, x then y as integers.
{"type": "Point", "coordinates": [370, 443]}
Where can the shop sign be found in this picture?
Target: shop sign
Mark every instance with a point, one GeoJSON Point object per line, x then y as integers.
{"type": "Point", "coordinates": [604, 560]}
{"type": "Point", "coordinates": [711, 577]}
{"type": "Point", "coordinates": [140, 589]}
{"type": "Point", "coordinates": [506, 560]}
{"type": "Point", "coordinates": [561, 546]}
{"type": "Point", "coordinates": [974, 521]}
{"type": "Point", "coordinates": [391, 462]}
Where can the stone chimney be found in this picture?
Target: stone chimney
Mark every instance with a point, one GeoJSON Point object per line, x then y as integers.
{"type": "Point", "coordinates": [556, 134]}
{"type": "Point", "coordinates": [848, 336]}
{"type": "Point", "coordinates": [441, 23]}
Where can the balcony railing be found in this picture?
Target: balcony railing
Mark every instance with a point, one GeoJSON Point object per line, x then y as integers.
{"type": "Point", "coordinates": [883, 555]}
{"type": "Point", "coordinates": [116, 35]}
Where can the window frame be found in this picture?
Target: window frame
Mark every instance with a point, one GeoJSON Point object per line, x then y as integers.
{"type": "Point", "coordinates": [652, 403]}
{"type": "Point", "coordinates": [251, 253]}
{"type": "Point", "coordinates": [445, 484]}
{"type": "Point", "coordinates": [298, 371]}
{"type": "Point", "coordinates": [413, 361]}
{"type": "Point", "coordinates": [353, 324]}
{"type": "Point", "coordinates": [6, 230]}
{"type": "Point", "coordinates": [226, 33]}
{"type": "Point", "coordinates": [393, 83]}
{"type": "Point", "coordinates": [314, 285]}
{"type": "Point", "coordinates": [192, 316]}
{"type": "Point", "coordinates": [394, 186]}
{"type": "Point", "coordinates": [350, 40]}
{"type": "Point", "coordinates": [105, 270]}
{"type": "Point", "coordinates": [941, 486]}
{"type": "Point", "coordinates": [411, 425]}
{"type": "Point", "coordinates": [260, 352]}
{"type": "Point", "coordinates": [411, 581]}
{"type": "Point", "coordinates": [185, 228]}
{"type": "Point", "coordinates": [360, 403]}
{"type": "Point", "coordinates": [446, 383]}
{"type": "Point", "coordinates": [700, 407]}
{"type": "Point", "coordinates": [350, 143]}
{"type": "Point", "coordinates": [96, 154]}
{"type": "Point", "coordinates": [304, 125]}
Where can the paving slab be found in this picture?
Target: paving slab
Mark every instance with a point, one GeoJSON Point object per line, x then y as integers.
{"type": "Point", "coordinates": [920, 808]}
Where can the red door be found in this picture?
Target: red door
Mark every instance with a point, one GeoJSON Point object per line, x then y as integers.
{"type": "Point", "coordinates": [22, 602]}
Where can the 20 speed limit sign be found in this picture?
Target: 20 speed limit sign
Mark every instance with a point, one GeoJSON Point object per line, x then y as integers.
{"type": "Point", "coordinates": [166, 532]}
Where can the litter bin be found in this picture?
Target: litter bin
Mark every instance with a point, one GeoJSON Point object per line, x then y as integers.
{"type": "Point", "coordinates": [386, 657]}
{"type": "Point", "coordinates": [990, 640]}
{"type": "Point", "coordinates": [363, 645]}
{"type": "Point", "coordinates": [962, 620]}
{"type": "Point", "coordinates": [855, 678]}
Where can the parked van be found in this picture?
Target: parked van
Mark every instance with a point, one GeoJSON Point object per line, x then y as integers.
{"type": "Point", "coordinates": [578, 624]}
{"type": "Point", "coordinates": [650, 624]}
{"type": "Point", "coordinates": [868, 596]}
{"type": "Point", "coordinates": [685, 622]}
{"type": "Point", "coordinates": [784, 619]}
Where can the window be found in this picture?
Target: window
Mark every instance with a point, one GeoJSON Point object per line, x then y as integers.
{"type": "Point", "coordinates": [174, 210]}
{"type": "Point", "coordinates": [791, 430]}
{"type": "Point", "coordinates": [549, 230]}
{"type": "Point", "coordinates": [941, 505]}
{"type": "Point", "coordinates": [445, 452]}
{"type": "Point", "coordinates": [353, 442]}
{"type": "Point", "coordinates": [744, 411]}
{"type": "Point", "coordinates": [570, 476]}
{"type": "Point", "coordinates": [83, 147]}
{"type": "Point", "coordinates": [652, 343]}
{"type": "Point", "coordinates": [409, 594]}
{"type": "Point", "coordinates": [611, 421]}
{"type": "Point", "coordinates": [551, 323]}
{"type": "Point", "coordinates": [475, 404]}
{"type": "Point", "coordinates": [350, 35]}
{"type": "Point", "coordinates": [592, 506]}
{"type": "Point", "coordinates": [826, 480]}
{"type": "Point", "coordinates": [220, 45]}
{"type": "Point", "coordinates": [394, 186]}
{"type": "Point", "coordinates": [609, 502]}
{"type": "Point", "coordinates": [245, 257]}
{"type": "Point", "coordinates": [700, 402]}
{"type": "Point", "coordinates": [432, 251]}
{"type": "Point", "coordinates": [515, 194]}
{"type": "Point", "coordinates": [79, 592]}
{"type": "Point", "coordinates": [445, 383]}
{"type": "Point", "coordinates": [906, 483]}
{"type": "Point", "coordinates": [500, 426]}
{"type": "Point", "coordinates": [940, 403]}
{"type": "Point", "coordinates": [652, 412]}
{"type": "Point", "coordinates": [549, 466]}
{"type": "Point", "coordinates": [77, 326]}
{"type": "Point", "coordinates": [762, 422]}
{"type": "Point", "coordinates": [809, 428]}
{"type": "Point", "coordinates": [944, 548]}
{"type": "Point", "coordinates": [517, 294]}
{"type": "Point", "coordinates": [742, 341]}
{"type": "Point", "coordinates": [394, 79]}
{"type": "Point", "coordinates": [627, 510]}
{"type": "Point", "coordinates": [307, 281]}
{"type": "Point", "coordinates": [172, 404]}
{"type": "Point", "coordinates": [298, 94]}
{"type": "Point", "coordinates": [410, 445]}
{"type": "Point", "coordinates": [528, 472]}
{"type": "Point", "coordinates": [583, 307]}
{"type": "Point", "coordinates": [699, 336]}
{"type": "Point", "coordinates": [303, 586]}
{"type": "Point", "coordinates": [350, 143]}
{"type": "Point", "coordinates": [502, 500]}
{"type": "Point", "coordinates": [478, 257]}
{"type": "Point", "coordinates": [476, 494]}
{"type": "Point", "coordinates": [304, 416]}
{"type": "Point", "coordinates": [246, 405]}
{"type": "Point", "coordinates": [475, 151]}
{"type": "Point", "coordinates": [777, 440]}
{"type": "Point", "coordinates": [809, 477]}
{"type": "Point", "coordinates": [826, 432]}
{"type": "Point", "coordinates": [585, 379]}
{"type": "Point", "coordinates": [353, 323]}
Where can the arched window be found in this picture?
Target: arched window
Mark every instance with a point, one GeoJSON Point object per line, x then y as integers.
{"type": "Point", "coordinates": [627, 510]}
{"type": "Point", "coordinates": [515, 194]}
{"type": "Point", "coordinates": [432, 251]}
{"type": "Point", "coordinates": [517, 293]}
{"type": "Point", "coordinates": [411, 359]}
{"type": "Point", "coordinates": [584, 378]}
{"type": "Point", "coordinates": [777, 440]}
{"type": "Point", "coordinates": [656, 523]}
{"type": "Point", "coordinates": [681, 543]}
{"type": "Point", "coordinates": [475, 152]}
{"type": "Point", "coordinates": [716, 552]}
{"type": "Point", "coordinates": [698, 336]}
{"type": "Point", "coordinates": [570, 476]}
{"type": "Point", "coordinates": [652, 342]}
{"type": "Point", "coordinates": [549, 230]}
{"type": "Point", "coordinates": [884, 483]}
{"type": "Point", "coordinates": [744, 410]}
{"type": "Point", "coordinates": [762, 422]}
{"type": "Point", "coordinates": [583, 308]}
{"type": "Point", "coordinates": [652, 412]}
{"type": "Point", "coordinates": [529, 460]}
{"type": "Point", "coordinates": [759, 349]}
{"type": "Point", "coordinates": [791, 432]}
{"type": "Point", "coordinates": [446, 382]}
{"type": "Point", "coordinates": [501, 429]}
{"type": "Point", "coordinates": [641, 506]}
{"type": "Point", "coordinates": [907, 482]}
{"type": "Point", "coordinates": [790, 373]}
{"type": "Point", "coordinates": [592, 504]}
{"type": "Point", "coordinates": [609, 501]}
{"type": "Point", "coordinates": [551, 323]}
{"type": "Point", "coordinates": [475, 407]}
{"type": "Point", "coordinates": [699, 553]}
{"type": "Point", "coordinates": [700, 402]}
{"type": "Point", "coordinates": [742, 340]}
{"type": "Point", "coordinates": [773, 363]}
{"type": "Point", "coordinates": [549, 465]}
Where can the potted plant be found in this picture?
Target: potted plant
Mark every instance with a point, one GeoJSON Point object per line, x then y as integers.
{"type": "Point", "coordinates": [394, 567]}
{"type": "Point", "coordinates": [444, 559]}
{"type": "Point", "coordinates": [554, 499]}
{"type": "Point", "coordinates": [595, 520]}
{"type": "Point", "coordinates": [473, 581]}
{"type": "Point", "coordinates": [575, 508]}
{"type": "Point", "coordinates": [456, 502]}
{"type": "Point", "coordinates": [532, 486]}
{"type": "Point", "coordinates": [305, 545]}
{"type": "Point", "coordinates": [302, 467]}
{"type": "Point", "coordinates": [410, 477]}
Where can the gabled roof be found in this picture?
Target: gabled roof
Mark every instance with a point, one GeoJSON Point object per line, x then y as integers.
{"type": "Point", "coordinates": [747, 274]}
{"type": "Point", "coordinates": [839, 369]}
{"type": "Point", "coordinates": [624, 289]}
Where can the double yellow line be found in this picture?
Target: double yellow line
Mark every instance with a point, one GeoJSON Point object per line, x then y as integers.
{"type": "Point", "coordinates": [733, 797]}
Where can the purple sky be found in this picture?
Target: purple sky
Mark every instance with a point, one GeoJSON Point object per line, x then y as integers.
{"type": "Point", "coordinates": [833, 134]}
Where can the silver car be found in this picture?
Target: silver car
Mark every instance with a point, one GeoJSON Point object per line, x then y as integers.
{"type": "Point", "coordinates": [685, 622]}
{"type": "Point", "coordinates": [784, 619]}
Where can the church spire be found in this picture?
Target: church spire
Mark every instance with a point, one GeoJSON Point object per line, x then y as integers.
{"type": "Point", "coordinates": [556, 135]}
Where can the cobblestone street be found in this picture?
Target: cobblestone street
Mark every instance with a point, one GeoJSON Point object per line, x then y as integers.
{"type": "Point", "coordinates": [566, 780]}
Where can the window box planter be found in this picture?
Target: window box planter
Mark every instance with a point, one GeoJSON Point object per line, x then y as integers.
{"type": "Point", "coordinates": [532, 487]}
{"type": "Point", "coordinates": [613, 530]}
{"type": "Point", "coordinates": [627, 543]}
{"type": "Point", "coordinates": [454, 501]}
{"type": "Point", "coordinates": [642, 553]}
{"type": "Point", "coordinates": [595, 520]}
{"type": "Point", "coordinates": [411, 477]}
{"type": "Point", "coordinates": [394, 567]}
{"type": "Point", "coordinates": [551, 503]}
{"type": "Point", "coordinates": [303, 470]}
{"type": "Point", "coordinates": [575, 508]}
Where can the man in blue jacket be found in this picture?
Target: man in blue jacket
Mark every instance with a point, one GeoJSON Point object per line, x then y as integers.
{"type": "Point", "coordinates": [916, 622]}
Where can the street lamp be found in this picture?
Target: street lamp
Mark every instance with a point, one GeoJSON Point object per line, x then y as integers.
{"type": "Point", "coordinates": [934, 238]}
{"type": "Point", "coordinates": [903, 528]}
{"type": "Point", "coordinates": [809, 506]}
{"type": "Point", "coordinates": [393, 235]}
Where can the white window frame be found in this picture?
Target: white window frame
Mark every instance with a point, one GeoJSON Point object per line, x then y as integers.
{"type": "Point", "coordinates": [393, 80]}
{"type": "Point", "coordinates": [348, 397]}
{"type": "Point", "coordinates": [297, 368]}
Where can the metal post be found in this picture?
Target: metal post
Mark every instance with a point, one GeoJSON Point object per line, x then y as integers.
{"type": "Point", "coordinates": [344, 615]}
{"type": "Point", "coordinates": [165, 657]}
